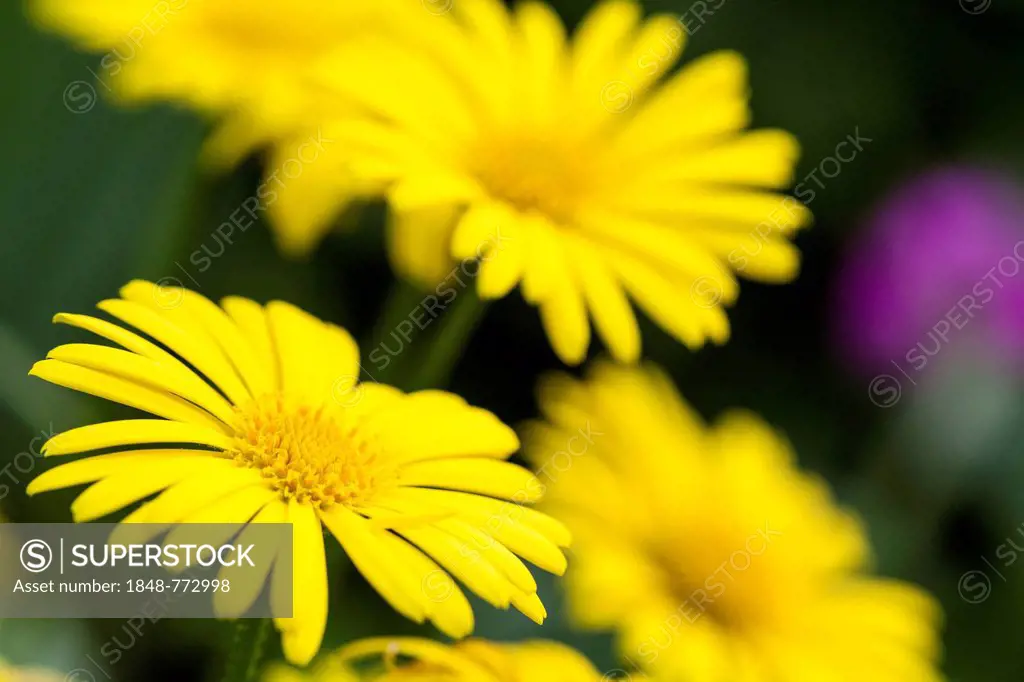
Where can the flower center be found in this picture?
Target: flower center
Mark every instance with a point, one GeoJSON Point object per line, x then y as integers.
{"type": "Point", "coordinates": [728, 582]}
{"type": "Point", "coordinates": [532, 172]}
{"type": "Point", "coordinates": [310, 454]}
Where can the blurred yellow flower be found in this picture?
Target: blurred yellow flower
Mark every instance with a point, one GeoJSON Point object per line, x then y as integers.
{"type": "Point", "coordinates": [420, 660]}
{"type": "Point", "coordinates": [713, 556]}
{"type": "Point", "coordinates": [604, 180]}
{"type": "Point", "coordinates": [10, 673]}
{"type": "Point", "coordinates": [245, 56]}
{"type": "Point", "coordinates": [413, 486]}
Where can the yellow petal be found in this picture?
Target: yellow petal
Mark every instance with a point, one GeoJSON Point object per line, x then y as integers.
{"type": "Point", "coordinates": [655, 50]}
{"type": "Point", "coordinates": [763, 158]}
{"type": "Point", "coordinates": [133, 432]}
{"type": "Point", "coordinates": [430, 191]}
{"type": "Point", "coordinates": [125, 392]}
{"type": "Point", "coordinates": [526, 532]}
{"type": "Point", "coordinates": [501, 267]}
{"type": "Point", "coordinates": [479, 229]}
{"type": "Point", "coordinates": [235, 136]}
{"type": "Point", "coordinates": [742, 210]}
{"type": "Point", "coordinates": [120, 336]}
{"type": "Point", "coordinates": [247, 582]}
{"type": "Point", "coordinates": [94, 468]}
{"type": "Point", "coordinates": [607, 302]}
{"type": "Point", "coordinates": [541, 59]}
{"type": "Point", "coordinates": [485, 476]}
{"type": "Point", "coordinates": [495, 553]}
{"type": "Point", "coordinates": [315, 357]}
{"type": "Point", "coordinates": [530, 605]}
{"type": "Point", "coordinates": [235, 508]}
{"type": "Point", "coordinates": [130, 485]}
{"type": "Point", "coordinates": [418, 242]}
{"type": "Point", "coordinates": [208, 360]}
{"type": "Point", "coordinates": [278, 672]}
{"type": "Point", "coordinates": [302, 636]}
{"type": "Point", "coordinates": [563, 310]}
{"type": "Point", "coordinates": [428, 425]}
{"type": "Point", "coordinates": [258, 376]}
{"type": "Point", "coordinates": [366, 548]}
{"type": "Point", "coordinates": [447, 606]}
{"type": "Point", "coordinates": [564, 315]}
{"type": "Point", "coordinates": [459, 559]}
{"type": "Point", "coordinates": [761, 254]}
{"type": "Point", "coordinates": [137, 344]}
{"type": "Point", "coordinates": [191, 495]}
{"type": "Point", "coordinates": [659, 243]}
{"type": "Point", "coordinates": [436, 655]}
{"type": "Point", "coordinates": [598, 47]}
{"type": "Point", "coordinates": [691, 313]}
{"type": "Point", "coordinates": [146, 372]}
{"type": "Point", "coordinates": [302, 208]}
{"type": "Point", "coordinates": [542, 257]}
{"type": "Point", "coordinates": [490, 28]}
{"type": "Point", "coordinates": [668, 120]}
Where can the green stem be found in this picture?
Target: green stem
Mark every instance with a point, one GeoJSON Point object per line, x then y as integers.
{"type": "Point", "coordinates": [259, 647]}
{"type": "Point", "coordinates": [246, 653]}
{"type": "Point", "coordinates": [402, 300]}
{"type": "Point", "coordinates": [434, 364]}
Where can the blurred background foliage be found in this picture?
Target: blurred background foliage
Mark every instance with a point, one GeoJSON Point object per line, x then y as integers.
{"type": "Point", "coordinates": [89, 200]}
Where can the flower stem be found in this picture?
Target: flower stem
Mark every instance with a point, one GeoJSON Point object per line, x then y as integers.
{"type": "Point", "coordinates": [402, 300]}
{"type": "Point", "coordinates": [435, 362]}
{"type": "Point", "coordinates": [246, 653]}
{"type": "Point", "coordinates": [413, 346]}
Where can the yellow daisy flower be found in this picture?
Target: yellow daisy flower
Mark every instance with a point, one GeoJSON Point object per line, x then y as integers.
{"type": "Point", "coordinates": [247, 55]}
{"type": "Point", "coordinates": [10, 673]}
{"type": "Point", "coordinates": [605, 179]}
{"type": "Point", "coordinates": [274, 428]}
{"type": "Point", "coordinates": [709, 551]}
{"type": "Point", "coordinates": [420, 660]}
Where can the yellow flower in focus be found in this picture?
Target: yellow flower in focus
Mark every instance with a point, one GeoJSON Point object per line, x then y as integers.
{"type": "Point", "coordinates": [274, 428]}
{"type": "Point", "coordinates": [220, 56]}
{"type": "Point", "coordinates": [420, 660]}
{"type": "Point", "coordinates": [713, 556]}
{"type": "Point", "coordinates": [603, 181]}
{"type": "Point", "coordinates": [10, 673]}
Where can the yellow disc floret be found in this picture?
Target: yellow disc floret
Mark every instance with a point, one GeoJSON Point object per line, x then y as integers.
{"type": "Point", "coordinates": [312, 454]}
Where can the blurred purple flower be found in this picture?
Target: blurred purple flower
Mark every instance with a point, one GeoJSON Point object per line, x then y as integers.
{"type": "Point", "coordinates": [941, 257]}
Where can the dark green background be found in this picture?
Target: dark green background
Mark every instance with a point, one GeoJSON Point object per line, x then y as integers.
{"type": "Point", "coordinates": [90, 200]}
